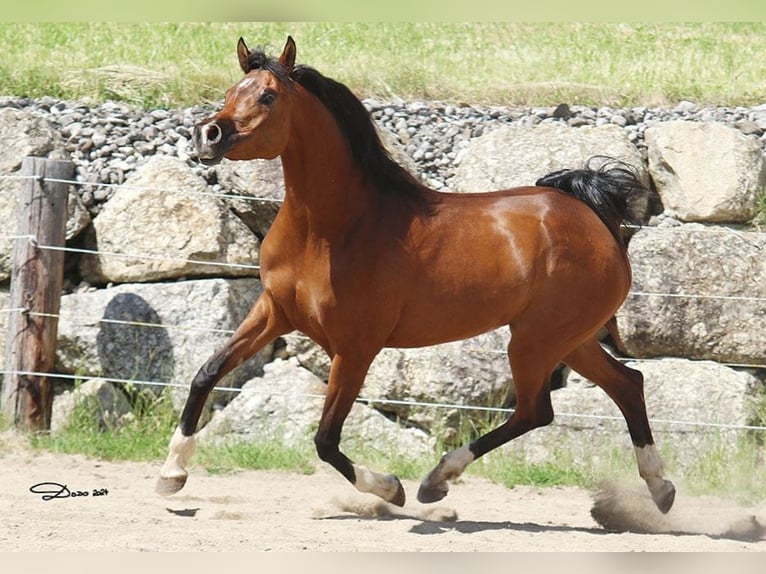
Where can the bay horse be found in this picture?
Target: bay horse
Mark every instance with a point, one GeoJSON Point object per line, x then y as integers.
{"type": "Point", "coordinates": [362, 256]}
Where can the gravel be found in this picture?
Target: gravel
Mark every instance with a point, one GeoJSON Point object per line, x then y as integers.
{"type": "Point", "coordinates": [108, 141]}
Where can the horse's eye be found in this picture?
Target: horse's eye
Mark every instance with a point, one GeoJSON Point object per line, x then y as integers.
{"type": "Point", "coordinates": [267, 98]}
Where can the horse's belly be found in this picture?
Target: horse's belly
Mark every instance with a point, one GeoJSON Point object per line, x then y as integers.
{"type": "Point", "coordinates": [441, 319]}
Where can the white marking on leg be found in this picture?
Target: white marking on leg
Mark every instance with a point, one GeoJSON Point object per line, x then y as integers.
{"type": "Point", "coordinates": [385, 486]}
{"type": "Point", "coordinates": [181, 449]}
{"type": "Point", "coordinates": [450, 467]}
{"type": "Point", "coordinates": [434, 486]}
{"type": "Point", "coordinates": [650, 464]}
{"type": "Point", "coordinates": [651, 469]}
{"type": "Point", "coordinates": [454, 463]}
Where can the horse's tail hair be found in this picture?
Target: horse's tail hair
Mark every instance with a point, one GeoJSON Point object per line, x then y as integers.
{"type": "Point", "coordinates": [607, 189]}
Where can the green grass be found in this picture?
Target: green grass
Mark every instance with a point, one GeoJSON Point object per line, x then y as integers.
{"type": "Point", "coordinates": [739, 472]}
{"type": "Point", "coordinates": [266, 455]}
{"type": "Point", "coordinates": [511, 471]}
{"type": "Point", "coordinates": [504, 63]}
{"type": "Point", "coordinates": [759, 221]}
{"type": "Point", "coordinates": [144, 436]}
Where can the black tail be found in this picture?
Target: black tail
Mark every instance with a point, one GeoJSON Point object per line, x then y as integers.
{"type": "Point", "coordinates": [606, 189]}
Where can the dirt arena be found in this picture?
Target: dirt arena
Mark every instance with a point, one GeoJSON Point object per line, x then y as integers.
{"type": "Point", "coordinates": [276, 511]}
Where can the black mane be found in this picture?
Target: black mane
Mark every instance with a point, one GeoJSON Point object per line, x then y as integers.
{"type": "Point", "coordinates": [354, 122]}
{"type": "Point", "coordinates": [258, 60]}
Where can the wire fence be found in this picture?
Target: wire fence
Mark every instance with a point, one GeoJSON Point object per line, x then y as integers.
{"type": "Point", "coordinates": [369, 401]}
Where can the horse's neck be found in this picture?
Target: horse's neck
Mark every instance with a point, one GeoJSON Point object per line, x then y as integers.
{"type": "Point", "coordinates": [323, 185]}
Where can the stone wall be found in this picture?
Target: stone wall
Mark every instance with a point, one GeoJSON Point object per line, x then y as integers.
{"type": "Point", "coordinates": [699, 290]}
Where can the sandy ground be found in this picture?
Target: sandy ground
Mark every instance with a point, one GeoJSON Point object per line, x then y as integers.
{"type": "Point", "coordinates": [276, 511]}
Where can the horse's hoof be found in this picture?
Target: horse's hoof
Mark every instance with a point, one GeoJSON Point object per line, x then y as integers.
{"type": "Point", "coordinates": [665, 497]}
{"type": "Point", "coordinates": [398, 498]}
{"type": "Point", "coordinates": [167, 486]}
{"type": "Point", "coordinates": [427, 494]}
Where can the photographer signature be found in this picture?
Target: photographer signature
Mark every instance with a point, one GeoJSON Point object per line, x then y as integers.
{"type": "Point", "coordinates": [51, 490]}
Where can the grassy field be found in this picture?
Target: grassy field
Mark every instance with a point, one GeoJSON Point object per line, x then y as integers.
{"type": "Point", "coordinates": [507, 63]}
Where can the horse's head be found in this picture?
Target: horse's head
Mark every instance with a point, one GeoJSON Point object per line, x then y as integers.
{"type": "Point", "coordinates": [254, 121]}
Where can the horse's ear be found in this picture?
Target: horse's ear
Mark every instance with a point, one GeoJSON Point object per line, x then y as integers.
{"type": "Point", "coordinates": [242, 54]}
{"type": "Point", "coordinates": [287, 59]}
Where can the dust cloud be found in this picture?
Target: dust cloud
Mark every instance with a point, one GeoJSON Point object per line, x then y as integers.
{"type": "Point", "coordinates": [619, 507]}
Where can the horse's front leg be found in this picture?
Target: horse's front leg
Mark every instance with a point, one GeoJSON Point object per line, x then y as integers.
{"type": "Point", "coordinates": [346, 379]}
{"type": "Point", "coordinates": [264, 323]}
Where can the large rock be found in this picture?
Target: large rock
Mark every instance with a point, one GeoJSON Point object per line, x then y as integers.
{"type": "Point", "coordinates": [110, 333]}
{"type": "Point", "coordinates": [286, 404]}
{"type": "Point", "coordinates": [705, 171]}
{"type": "Point", "coordinates": [26, 135]}
{"type": "Point", "coordinates": [698, 292]}
{"type": "Point", "coordinates": [254, 190]}
{"type": "Point", "coordinates": [515, 155]}
{"type": "Point", "coordinates": [171, 232]}
{"type": "Point", "coordinates": [471, 372]}
{"type": "Point", "coordinates": [693, 409]}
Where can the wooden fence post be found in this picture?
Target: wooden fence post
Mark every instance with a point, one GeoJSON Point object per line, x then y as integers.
{"type": "Point", "coordinates": [36, 281]}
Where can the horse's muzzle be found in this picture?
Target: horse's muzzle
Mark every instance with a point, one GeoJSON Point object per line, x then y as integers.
{"type": "Point", "coordinates": [210, 141]}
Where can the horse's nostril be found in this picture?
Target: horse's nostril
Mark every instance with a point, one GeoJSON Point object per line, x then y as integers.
{"type": "Point", "coordinates": [212, 134]}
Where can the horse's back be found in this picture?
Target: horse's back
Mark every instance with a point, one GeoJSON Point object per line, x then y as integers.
{"type": "Point", "coordinates": [525, 223]}
{"type": "Point", "coordinates": [480, 260]}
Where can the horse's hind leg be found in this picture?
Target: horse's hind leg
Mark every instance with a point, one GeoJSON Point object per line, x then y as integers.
{"type": "Point", "coordinates": [532, 363]}
{"type": "Point", "coordinates": [346, 379]}
{"type": "Point", "coordinates": [625, 386]}
{"type": "Point", "coordinates": [263, 324]}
